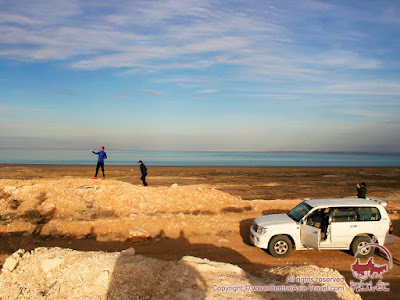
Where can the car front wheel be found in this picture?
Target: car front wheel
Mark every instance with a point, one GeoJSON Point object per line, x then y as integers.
{"type": "Point", "coordinates": [359, 245]}
{"type": "Point", "coordinates": [280, 246]}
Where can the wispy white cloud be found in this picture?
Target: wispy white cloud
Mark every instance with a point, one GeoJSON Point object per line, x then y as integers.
{"type": "Point", "coordinates": [182, 81]}
{"type": "Point", "coordinates": [391, 15]}
{"type": "Point", "coordinates": [377, 88]}
{"type": "Point", "coordinates": [16, 19]}
{"type": "Point", "coordinates": [152, 92]}
{"type": "Point", "coordinates": [123, 96]}
{"type": "Point", "coordinates": [20, 109]}
{"type": "Point", "coordinates": [342, 59]}
{"type": "Point", "coordinates": [64, 91]}
{"type": "Point", "coordinates": [208, 91]}
{"type": "Point", "coordinates": [360, 112]}
{"type": "Point", "coordinates": [179, 79]}
{"type": "Point", "coordinates": [40, 12]}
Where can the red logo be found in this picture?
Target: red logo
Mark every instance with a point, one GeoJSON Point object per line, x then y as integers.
{"type": "Point", "coordinates": [369, 270]}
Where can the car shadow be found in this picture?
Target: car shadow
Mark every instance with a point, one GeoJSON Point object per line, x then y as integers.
{"type": "Point", "coordinates": [396, 227]}
{"type": "Point", "coordinates": [244, 225]}
{"type": "Point", "coordinates": [244, 229]}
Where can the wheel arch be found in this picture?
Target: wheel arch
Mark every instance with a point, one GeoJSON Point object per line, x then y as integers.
{"type": "Point", "coordinates": [370, 235]}
{"type": "Point", "coordinates": [284, 234]}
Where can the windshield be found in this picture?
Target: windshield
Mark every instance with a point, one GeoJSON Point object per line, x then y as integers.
{"type": "Point", "coordinates": [299, 211]}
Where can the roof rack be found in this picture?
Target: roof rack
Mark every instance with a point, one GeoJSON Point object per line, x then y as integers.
{"type": "Point", "coordinates": [381, 202]}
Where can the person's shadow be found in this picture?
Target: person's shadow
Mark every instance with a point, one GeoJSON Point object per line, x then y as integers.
{"type": "Point", "coordinates": [143, 277]}
{"type": "Point", "coordinates": [160, 279]}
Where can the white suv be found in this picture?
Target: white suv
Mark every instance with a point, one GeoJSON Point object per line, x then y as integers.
{"type": "Point", "coordinates": [325, 224]}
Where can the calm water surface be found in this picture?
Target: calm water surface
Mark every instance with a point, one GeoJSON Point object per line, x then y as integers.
{"type": "Point", "coordinates": [198, 158]}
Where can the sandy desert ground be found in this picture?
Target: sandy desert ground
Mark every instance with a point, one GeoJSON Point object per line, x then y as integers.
{"type": "Point", "coordinates": [207, 215]}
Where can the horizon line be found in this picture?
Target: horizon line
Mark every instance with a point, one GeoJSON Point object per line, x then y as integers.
{"type": "Point", "coordinates": [219, 150]}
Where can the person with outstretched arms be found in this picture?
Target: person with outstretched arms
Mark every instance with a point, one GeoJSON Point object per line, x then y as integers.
{"type": "Point", "coordinates": [102, 155]}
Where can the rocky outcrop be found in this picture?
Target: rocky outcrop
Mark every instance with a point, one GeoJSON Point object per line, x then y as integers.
{"type": "Point", "coordinates": [90, 199]}
{"type": "Point", "coordinates": [55, 273]}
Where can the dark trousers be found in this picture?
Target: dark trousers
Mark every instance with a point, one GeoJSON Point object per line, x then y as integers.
{"type": "Point", "coordinates": [100, 164]}
{"type": "Point", "coordinates": [143, 178]}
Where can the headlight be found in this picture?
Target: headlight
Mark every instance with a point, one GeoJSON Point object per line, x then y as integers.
{"type": "Point", "coordinates": [262, 230]}
{"type": "Point", "coordinates": [259, 229]}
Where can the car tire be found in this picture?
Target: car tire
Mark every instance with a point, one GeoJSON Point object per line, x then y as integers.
{"type": "Point", "coordinates": [280, 246]}
{"type": "Point", "coordinates": [359, 242]}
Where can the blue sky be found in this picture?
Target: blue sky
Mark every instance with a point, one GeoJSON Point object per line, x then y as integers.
{"type": "Point", "coordinates": [204, 75]}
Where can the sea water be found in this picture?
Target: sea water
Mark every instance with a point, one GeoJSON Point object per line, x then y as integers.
{"type": "Point", "coordinates": [200, 158]}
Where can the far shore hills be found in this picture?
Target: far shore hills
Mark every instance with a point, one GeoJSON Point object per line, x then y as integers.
{"type": "Point", "coordinates": [222, 150]}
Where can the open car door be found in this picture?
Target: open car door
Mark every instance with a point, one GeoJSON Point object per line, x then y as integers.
{"type": "Point", "coordinates": [310, 236]}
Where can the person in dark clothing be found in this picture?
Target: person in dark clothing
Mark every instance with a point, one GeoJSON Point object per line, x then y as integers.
{"type": "Point", "coordinates": [143, 169]}
{"type": "Point", "coordinates": [362, 190]}
{"type": "Point", "coordinates": [320, 219]}
{"type": "Point", "coordinates": [100, 162]}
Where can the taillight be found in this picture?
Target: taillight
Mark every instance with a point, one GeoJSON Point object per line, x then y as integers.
{"type": "Point", "coordinates": [390, 228]}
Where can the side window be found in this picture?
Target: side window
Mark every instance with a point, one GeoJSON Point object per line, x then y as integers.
{"type": "Point", "coordinates": [344, 214]}
{"type": "Point", "coordinates": [318, 218]}
{"type": "Point", "coordinates": [368, 214]}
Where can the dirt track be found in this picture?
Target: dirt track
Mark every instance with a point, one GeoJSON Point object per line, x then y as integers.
{"type": "Point", "coordinates": [223, 236]}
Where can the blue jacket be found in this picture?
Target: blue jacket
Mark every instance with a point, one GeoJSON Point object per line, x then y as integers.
{"type": "Point", "coordinates": [102, 155]}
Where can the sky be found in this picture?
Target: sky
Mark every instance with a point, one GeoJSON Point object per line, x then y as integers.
{"type": "Point", "coordinates": [200, 75]}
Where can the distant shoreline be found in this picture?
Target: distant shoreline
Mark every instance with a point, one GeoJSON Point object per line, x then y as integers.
{"type": "Point", "coordinates": [226, 151]}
